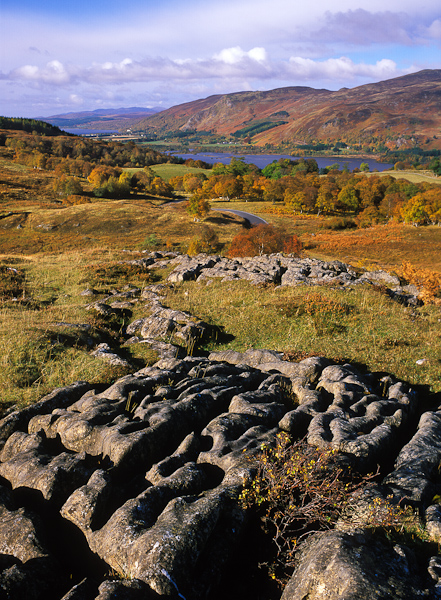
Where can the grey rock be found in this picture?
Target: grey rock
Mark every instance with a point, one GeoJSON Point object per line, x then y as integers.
{"type": "Point", "coordinates": [343, 566]}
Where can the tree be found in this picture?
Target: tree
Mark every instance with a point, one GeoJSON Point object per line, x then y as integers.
{"type": "Point", "coordinates": [414, 211]}
{"type": "Point", "coordinates": [197, 206]}
{"type": "Point", "coordinates": [432, 200]}
{"type": "Point", "coordinates": [435, 166]}
{"type": "Point", "coordinates": [274, 190]}
{"type": "Point", "coordinates": [364, 166]}
{"type": "Point", "coordinates": [348, 198]}
{"type": "Point", "coordinates": [368, 217]}
{"type": "Point", "coordinates": [263, 239]}
{"type": "Point", "coordinates": [67, 186]}
{"type": "Point", "coordinates": [295, 201]}
{"type": "Point", "coordinates": [327, 196]}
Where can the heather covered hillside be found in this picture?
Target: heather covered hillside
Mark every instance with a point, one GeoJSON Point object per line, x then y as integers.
{"type": "Point", "coordinates": [397, 113]}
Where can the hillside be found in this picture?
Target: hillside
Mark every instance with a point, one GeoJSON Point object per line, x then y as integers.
{"type": "Point", "coordinates": [103, 118]}
{"type": "Point", "coordinates": [398, 113]}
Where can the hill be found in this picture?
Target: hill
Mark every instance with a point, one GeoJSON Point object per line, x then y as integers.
{"type": "Point", "coordinates": [397, 113]}
{"type": "Point", "coordinates": [102, 118]}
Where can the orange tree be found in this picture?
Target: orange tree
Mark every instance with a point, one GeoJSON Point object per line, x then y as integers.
{"type": "Point", "coordinates": [264, 239]}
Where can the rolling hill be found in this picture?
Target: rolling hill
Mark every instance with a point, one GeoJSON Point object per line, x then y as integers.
{"type": "Point", "coordinates": [398, 113]}
{"type": "Point", "coordinates": [102, 118]}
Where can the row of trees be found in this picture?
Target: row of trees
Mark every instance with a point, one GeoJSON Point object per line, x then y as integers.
{"type": "Point", "coordinates": [113, 182]}
{"type": "Point", "coordinates": [297, 184]}
{"type": "Point", "coordinates": [77, 156]}
{"type": "Point", "coordinates": [369, 198]}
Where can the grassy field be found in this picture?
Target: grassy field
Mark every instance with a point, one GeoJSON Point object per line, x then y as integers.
{"type": "Point", "coordinates": [412, 176]}
{"type": "Point", "coordinates": [41, 307]}
{"type": "Point", "coordinates": [166, 171]}
{"type": "Point", "coordinates": [360, 325]}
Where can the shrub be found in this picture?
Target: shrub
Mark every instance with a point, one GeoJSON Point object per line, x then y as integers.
{"type": "Point", "coordinates": [150, 242]}
{"type": "Point", "coordinates": [207, 241]}
{"type": "Point", "coordinates": [12, 282]}
{"type": "Point", "coordinates": [368, 217]}
{"type": "Point", "coordinates": [340, 223]}
{"type": "Point", "coordinates": [264, 239]}
{"type": "Point", "coordinates": [429, 282]}
{"type": "Point", "coordinates": [298, 490]}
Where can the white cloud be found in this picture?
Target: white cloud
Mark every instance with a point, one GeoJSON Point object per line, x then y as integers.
{"type": "Point", "coordinates": [54, 73]}
{"type": "Point", "coordinates": [341, 69]}
{"type": "Point", "coordinates": [76, 99]}
{"type": "Point", "coordinates": [235, 55]}
{"type": "Point", "coordinates": [230, 63]}
{"type": "Point", "coordinates": [434, 30]}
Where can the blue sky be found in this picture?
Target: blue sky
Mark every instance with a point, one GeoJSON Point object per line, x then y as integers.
{"type": "Point", "coordinates": [58, 57]}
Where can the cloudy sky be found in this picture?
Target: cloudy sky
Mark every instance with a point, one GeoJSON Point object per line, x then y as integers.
{"type": "Point", "coordinates": [58, 56]}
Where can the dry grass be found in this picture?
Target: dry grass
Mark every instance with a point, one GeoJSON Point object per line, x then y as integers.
{"type": "Point", "coordinates": [412, 176]}
{"type": "Point", "coordinates": [360, 326]}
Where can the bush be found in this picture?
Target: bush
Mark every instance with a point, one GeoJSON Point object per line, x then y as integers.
{"type": "Point", "coordinates": [298, 490]}
{"type": "Point", "coordinates": [340, 223]}
{"type": "Point", "coordinates": [368, 217]}
{"type": "Point", "coordinates": [207, 241]}
{"type": "Point", "coordinates": [264, 239]}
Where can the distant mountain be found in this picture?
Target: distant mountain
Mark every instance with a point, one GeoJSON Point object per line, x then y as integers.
{"type": "Point", "coordinates": [102, 118]}
{"type": "Point", "coordinates": [398, 113]}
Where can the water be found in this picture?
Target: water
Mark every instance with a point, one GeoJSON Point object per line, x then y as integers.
{"type": "Point", "coordinates": [78, 131]}
{"type": "Point", "coordinates": [261, 160]}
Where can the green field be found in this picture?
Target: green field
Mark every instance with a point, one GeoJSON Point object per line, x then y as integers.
{"type": "Point", "coordinates": [166, 171]}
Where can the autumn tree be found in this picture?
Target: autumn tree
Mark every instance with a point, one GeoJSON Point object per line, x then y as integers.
{"type": "Point", "coordinates": [414, 211]}
{"type": "Point", "coordinates": [197, 206]}
{"type": "Point", "coordinates": [65, 186]}
{"type": "Point", "coordinates": [263, 239]}
{"type": "Point", "coordinates": [348, 198]}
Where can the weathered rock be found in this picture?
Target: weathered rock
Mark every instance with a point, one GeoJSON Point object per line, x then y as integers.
{"type": "Point", "coordinates": [344, 566]}
{"type": "Point", "coordinates": [147, 472]}
{"type": "Point", "coordinates": [416, 472]}
{"type": "Point", "coordinates": [104, 351]}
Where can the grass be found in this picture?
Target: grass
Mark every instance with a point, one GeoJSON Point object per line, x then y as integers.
{"type": "Point", "coordinates": [167, 170]}
{"type": "Point", "coordinates": [40, 346]}
{"type": "Point", "coordinates": [359, 325]}
{"type": "Point", "coordinates": [118, 223]}
{"type": "Point", "coordinates": [412, 176]}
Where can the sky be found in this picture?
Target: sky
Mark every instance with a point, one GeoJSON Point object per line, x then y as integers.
{"type": "Point", "coordinates": [59, 56]}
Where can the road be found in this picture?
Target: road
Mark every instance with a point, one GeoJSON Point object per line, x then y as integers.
{"type": "Point", "coordinates": [253, 219]}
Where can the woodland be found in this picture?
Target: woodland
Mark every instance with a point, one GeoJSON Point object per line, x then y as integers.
{"type": "Point", "coordinates": [117, 170]}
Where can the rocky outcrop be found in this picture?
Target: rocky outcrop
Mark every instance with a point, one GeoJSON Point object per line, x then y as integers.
{"type": "Point", "coordinates": [337, 565]}
{"type": "Point", "coordinates": [147, 472]}
{"type": "Point", "coordinates": [286, 271]}
{"type": "Point", "coordinates": [142, 478]}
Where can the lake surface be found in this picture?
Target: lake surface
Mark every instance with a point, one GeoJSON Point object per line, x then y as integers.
{"type": "Point", "coordinates": [261, 160]}
{"type": "Point", "coordinates": [78, 131]}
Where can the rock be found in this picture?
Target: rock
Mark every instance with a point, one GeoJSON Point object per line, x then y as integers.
{"type": "Point", "coordinates": [105, 352]}
{"type": "Point", "coordinates": [416, 468]}
{"type": "Point", "coordinates": [343, 566]}
{"type": "Point", "coordinates": [381, 277]}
